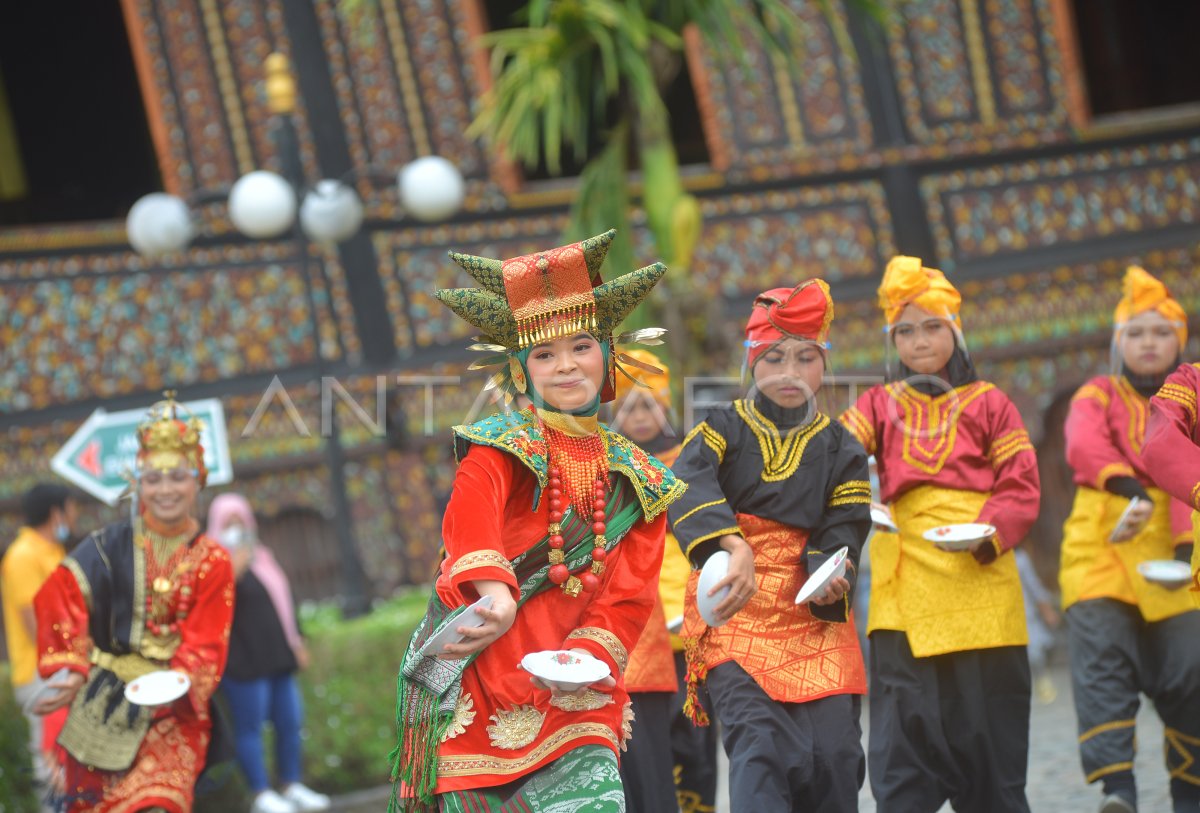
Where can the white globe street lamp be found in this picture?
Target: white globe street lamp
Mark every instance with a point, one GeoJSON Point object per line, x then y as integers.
{"type": "Point", "coordinates": [262, 204]}
{"type": "Point", "coordinates": [158, 223]}
{"type": "Point", "coordinates": [331, 212]}
{"type": "Point", "coordinates": [431, 188]}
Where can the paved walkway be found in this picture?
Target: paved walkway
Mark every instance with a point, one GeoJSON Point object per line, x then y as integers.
{"type": "Point", "coordinates": [1055, 783]}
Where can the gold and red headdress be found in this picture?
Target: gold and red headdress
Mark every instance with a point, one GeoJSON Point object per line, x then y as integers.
{"type": "Point", "coordinates": [547, 295]}
{"type": "Point", "coordinates": [804, 312]}
{"type": "Point", "coordinates": [167, 441]}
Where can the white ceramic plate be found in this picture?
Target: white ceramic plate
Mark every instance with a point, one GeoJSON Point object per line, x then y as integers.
{"type": "Point", "coordinates": [450, 635]}
{"type": "Point", "coordinates": [883, 518]}
{"type": "Point", "coordinates": [675, 624]}
{"type": "Point", "coordinates": [1123, 520]}
{"type": "Point", "coordinates": [715, 569]}
{"type": "Point", "coordinates": [157, 688]}
{"type": "Point", "coordinates": [1165, 572]}
{"type": "Point", "coordinates": [959, 537]}
{"type": "Point", "coordinates": [834, 567]}
{"type": "Point", "coordinates": [567, 670]}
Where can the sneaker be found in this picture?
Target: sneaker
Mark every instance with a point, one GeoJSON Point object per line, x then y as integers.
{"type": "Point", "coordinates": [1116, 804]}
{"type": "Point", "coordinates": [305, 799]}
{"type": "Point", "coordinates": [271, 802]}
{"type": "Point", "coordinates": [1043, 689]}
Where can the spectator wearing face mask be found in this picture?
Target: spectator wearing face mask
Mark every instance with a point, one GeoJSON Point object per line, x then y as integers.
{"type": "Point", "coordinates": [49, 513]}
{"type": "Point", "coordinates": [265, 652]}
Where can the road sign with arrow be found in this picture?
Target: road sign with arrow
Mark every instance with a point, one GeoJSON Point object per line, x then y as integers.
{"type": "Point", "coordinates": [101, 454]}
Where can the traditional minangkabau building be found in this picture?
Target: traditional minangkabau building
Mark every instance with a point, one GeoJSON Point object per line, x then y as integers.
{"type": "Point", "coordinates": [1008, 142]}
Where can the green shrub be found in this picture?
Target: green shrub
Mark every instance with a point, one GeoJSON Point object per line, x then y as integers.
{"type": "Point", "coordinates": [16, 770]}
{"type": "Point", "coordinates": [350, 693]}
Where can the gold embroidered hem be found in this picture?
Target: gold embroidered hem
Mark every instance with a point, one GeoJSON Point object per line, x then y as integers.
{"type": "Point", "coordinates": [792, 655]}
{"type": "Point", "coordinates": [590, 700]}
{"type": "Point", "coordinates": [98, 737]}
{"type": "Point", "coordinates": [611, 643]}
{"type": "Point", "coordinates": [627, 719]}
{"type": "Point", "coordinates": [476, 764]}
{"type": "Point", "coordinates": [943, 601]}
{"type": "Point", "coordinates": [81, 579]}
{"type": "Point", "coordinates": [1092, 567]}
{"type": "Point", "coordinates": [482, 558]}
{"type": "Point", "coordinates": [464, 715]}
{"type": "Point", "coordinates": [732, 529]}
{"type": "Point", "coordinates": [711, 437]}
{"type": "Point", "coordinates": [513, 729]}
{"type": "Point", "coordinates": [851, 492]}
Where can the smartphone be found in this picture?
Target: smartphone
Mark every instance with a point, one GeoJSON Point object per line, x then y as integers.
{"type": "Point", "coordinates": [1123, 522]}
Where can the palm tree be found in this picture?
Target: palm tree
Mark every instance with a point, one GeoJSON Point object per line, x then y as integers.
{"type": "Point", "coordinates": [580, 65]}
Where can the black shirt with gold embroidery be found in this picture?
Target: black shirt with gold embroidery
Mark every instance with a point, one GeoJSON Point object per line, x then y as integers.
{"type": "Point", "coordinates": [787, 465]}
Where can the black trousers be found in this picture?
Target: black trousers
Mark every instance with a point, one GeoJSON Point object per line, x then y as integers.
{"type": "Point", "coordinates": [695, 750]}
{"type": "Point", "coordinates": [1116, 656]}
{"type": "Point", "coordinates": [800, 757]}
{"type": "Point", "coordinates": [647, 770]}
{"type": "Point", "coordinates": [948, 727]}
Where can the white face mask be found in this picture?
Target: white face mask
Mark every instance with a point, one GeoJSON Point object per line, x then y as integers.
{"type": "Point", "coordinates": [63, 533]}
{"type": "Point", "coordinates": [232, 537]}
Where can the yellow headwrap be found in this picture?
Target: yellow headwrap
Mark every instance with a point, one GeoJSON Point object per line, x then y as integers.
{"type": "Point", "coordinates": [659, 383]}
{"type": "Point", "coordinates": [907, 282]}
{"type": "Point", "coordinates": [1142, 292]}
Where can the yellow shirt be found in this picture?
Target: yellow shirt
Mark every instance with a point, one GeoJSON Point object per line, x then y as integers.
{"type": "Point", "coordinates": [28, 563]}
{"type": "Point", "coordinates": [1092, 567]}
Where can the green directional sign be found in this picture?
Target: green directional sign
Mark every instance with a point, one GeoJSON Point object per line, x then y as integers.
{"type": "Point", "coordinates": [101, 454]}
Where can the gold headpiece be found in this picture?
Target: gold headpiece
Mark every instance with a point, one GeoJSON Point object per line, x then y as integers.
{"type": "Point", "coordinates": [165, 440]}
{"type": "Point", "coordinates": [539, 297]}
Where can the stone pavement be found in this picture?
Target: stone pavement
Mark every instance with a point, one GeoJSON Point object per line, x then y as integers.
{"type": "Point", "coordinates": [1055, 782]}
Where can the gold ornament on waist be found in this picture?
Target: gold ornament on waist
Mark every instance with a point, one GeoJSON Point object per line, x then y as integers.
{"type": "Point", "coordinates": [162, 585]}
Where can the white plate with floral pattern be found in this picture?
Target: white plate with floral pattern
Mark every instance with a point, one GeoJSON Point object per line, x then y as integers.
{"type": "Point", "coordinates": [834, 568]}
{"type": "Point", "coordinates": [566, 670]}
{"type": "Point", "coordinates": [960, 537]}
{"type": "Point", "coordinates": [157, 688]}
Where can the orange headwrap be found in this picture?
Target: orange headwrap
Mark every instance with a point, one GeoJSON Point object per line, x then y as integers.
{"type": "Point", "coordinates": [907, 282]}
{"type": "Point", "coordinates": [803, 312]}
{"type": "Point", "coordinates": [1143, 292]}
{"type": "Point", "coordinates": [659, 383]}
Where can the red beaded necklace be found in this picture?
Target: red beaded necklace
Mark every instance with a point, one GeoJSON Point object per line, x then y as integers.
{"type": "Point", "coordinates": [578, 476]}
{"type": "Point", "coordinates": [167, 568]}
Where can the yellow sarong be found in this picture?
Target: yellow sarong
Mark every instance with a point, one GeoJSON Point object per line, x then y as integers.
{"type": "Point", "coordinates": [1093, 567]}
{"type": "Point", "coordinates": [944, 602]}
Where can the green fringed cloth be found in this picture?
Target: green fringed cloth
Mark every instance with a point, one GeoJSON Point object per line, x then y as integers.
{"type": "Point", "coordinates": [428, 688]}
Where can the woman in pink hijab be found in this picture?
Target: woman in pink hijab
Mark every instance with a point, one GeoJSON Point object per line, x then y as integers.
{"type": "Point", "coordinates": [265, 652]}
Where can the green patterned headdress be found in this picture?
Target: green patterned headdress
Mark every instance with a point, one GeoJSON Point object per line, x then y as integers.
{"type": "Point", "coordinates": [543, 296]}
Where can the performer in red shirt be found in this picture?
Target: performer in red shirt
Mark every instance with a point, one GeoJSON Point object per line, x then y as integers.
{"type": "Point", "coordinates": [134, 598]}
{"type": "Point", "coordinates": [561, 523]}
{"type": "Point", "coordinates": [1127, 635]}
{"type": "Point", "coordinates": [1172, 451]}
{"type": "Point", "coordinates": [949, 671]}
{"type": "Point", "coordinates": [782, 488]}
